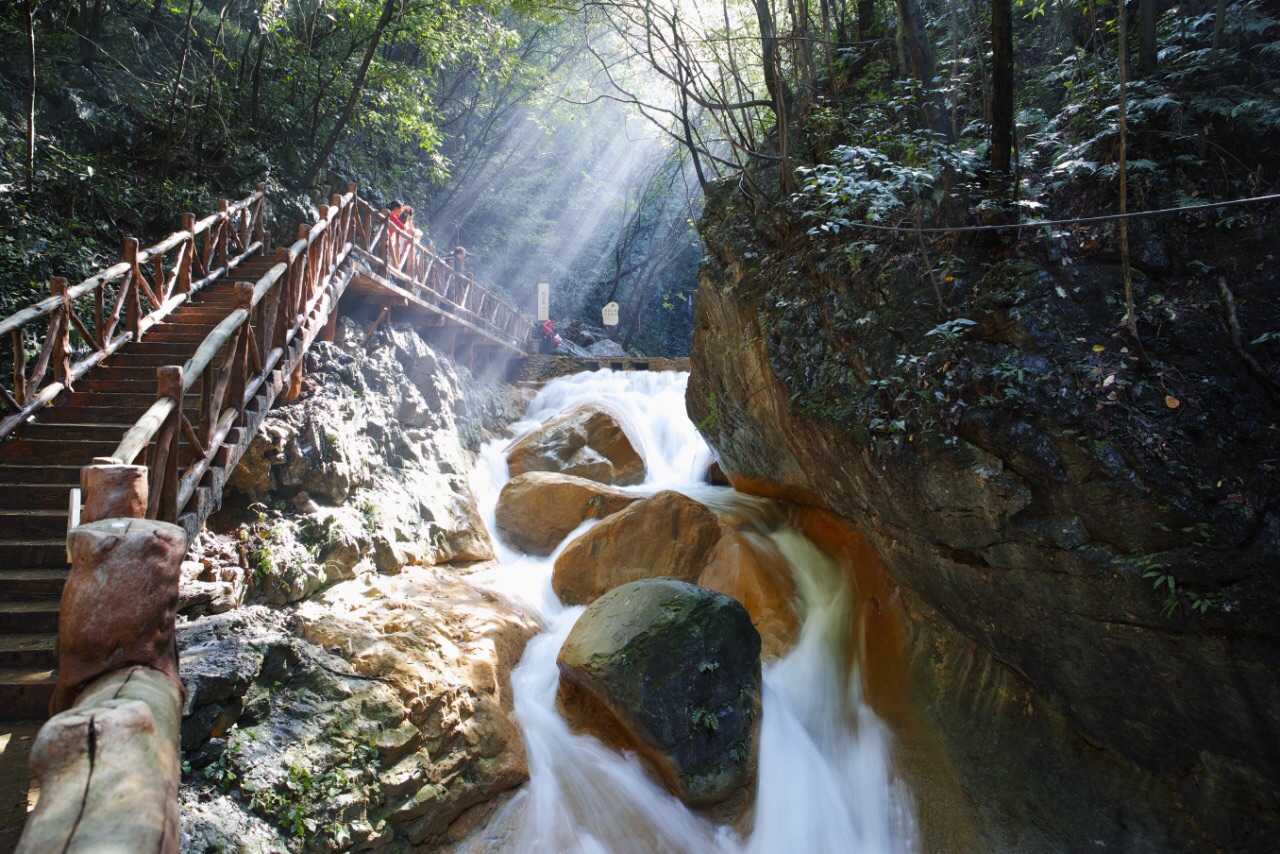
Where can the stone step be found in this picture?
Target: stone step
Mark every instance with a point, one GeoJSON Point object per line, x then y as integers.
{"type": "Point", "coordinates": [33, 524]}
{"type": "Point", "coordinates": [125, 416]}
{"type": "Point", "coordinates": [39, 553]}
{"type": "Point", "coordinates": [139, 400]}
{"type": "Point", "coordinates": [128, 385]}
{"type": "Point", "coordinates": [30, 475]}
{"type": "Point", "coordinates": [70, 432]}
{"type": "Point", "coordinates": [34, 652]}
{"type": "Point", "coordinates": [170, 334]}
{"type": "Point", "coordinates": [25, 693]}
{"type": "Point", "coordinates": [152, 360]}
{"type": "Point", "coordinates": [33, 616]}
{"type": "Point", "coordinates": [55, 452]}
{"type": "Point", "coordinates": [25, 584]}
{"type": "Point", "coordinates": [35, 496]}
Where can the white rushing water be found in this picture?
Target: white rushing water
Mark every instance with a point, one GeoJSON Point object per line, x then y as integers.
{"type": "Point", "coordinates": [825, 779]}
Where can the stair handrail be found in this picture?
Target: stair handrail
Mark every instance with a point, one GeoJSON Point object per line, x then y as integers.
{"type": "Point", "coordinates": [403, 257]}
{"type": "Point", "coordinates": [251, 341]}
{"type": "Point", "coordinates": [236, 231]}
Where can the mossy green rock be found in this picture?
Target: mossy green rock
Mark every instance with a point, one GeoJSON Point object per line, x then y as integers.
{"type": "Point", "coordinates": [674, 669]}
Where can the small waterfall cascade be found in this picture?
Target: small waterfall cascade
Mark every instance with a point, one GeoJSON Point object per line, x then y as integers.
{"type": "Point", "coordinates": [826, 780]}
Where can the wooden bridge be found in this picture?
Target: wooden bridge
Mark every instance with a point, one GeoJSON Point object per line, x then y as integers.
{"type": "Point", "coordinates": [170, 359]}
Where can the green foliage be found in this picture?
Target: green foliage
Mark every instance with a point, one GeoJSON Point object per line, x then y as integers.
{"type": "Point", "coordinates": [704, 718]}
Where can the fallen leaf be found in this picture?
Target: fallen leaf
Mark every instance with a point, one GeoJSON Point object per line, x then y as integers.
{"type": "Point", "coordinates": [1109, 380]}
{"type": "Point", "coordinates": [1171, 401]}
{"type": "Point", "coordinates": [1098, 348]}
{"type": "Point", "coordinates": [1235, 498]}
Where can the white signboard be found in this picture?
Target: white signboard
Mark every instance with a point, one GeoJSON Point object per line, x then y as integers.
{"type": "Point", "coordinates": [544, 301]}
{"type": "Point", "coordinates": [610, 314]}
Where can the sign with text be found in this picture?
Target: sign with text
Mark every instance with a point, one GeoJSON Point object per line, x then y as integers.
{"type": "Point", "coordinates": [609, 314]}
{"type": "Point", "coordinates": [544, 301]}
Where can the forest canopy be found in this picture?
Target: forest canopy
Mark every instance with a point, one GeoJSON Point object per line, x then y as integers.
{"type": "Point", "coordinates": [571, 142]}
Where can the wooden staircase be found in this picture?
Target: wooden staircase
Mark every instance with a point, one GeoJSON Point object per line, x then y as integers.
{"type": "Point", "coordinates": [41, 462]}
{"type": "Point", "coordinates": [228, 326]}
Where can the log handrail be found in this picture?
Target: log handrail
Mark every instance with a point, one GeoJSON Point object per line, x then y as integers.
{"type": "Point", "coordinates": [142, 299]}
{"type": "Point", "coordinates": [235, 359]}
{"type": "Point", "coordinates": [401, 256]}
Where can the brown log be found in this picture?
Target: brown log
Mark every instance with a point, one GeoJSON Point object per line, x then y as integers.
{"type": "Point", "coordinates": [162, 503]}
{"type": "Point", "coordinates": [108, 769]}
{"type": "Point", "coordinates": [113, 490]}
{"type": "Point", "coordinates": [185, 258]}
{"type": "Point", "coordinates": [224, 225]}
{"type": "Point", "coordinates": [129, 290]}
{"type": "Point", "coordinates": [294, 391]}
{"type": "Point", "coordinates": [62, 339]}
{"type": "Point", "coordinates": [119, 604]}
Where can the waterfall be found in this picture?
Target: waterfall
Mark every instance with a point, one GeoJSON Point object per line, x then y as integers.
{"type": "Point", "coordinates": [826, 781]}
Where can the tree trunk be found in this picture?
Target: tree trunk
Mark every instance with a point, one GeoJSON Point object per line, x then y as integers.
{"type": "Point", "coordinates": [1148, 14]}
{"type": "Point", "coordinates": [776, 86]}
{"type": "Point", "coordinates": [1001, 90]}
{"type": "Point", "coordinates": [866, 18]}
{"type": "Point", "coordinates": [309, 180]}
{"type": "Point", "coordinates": [90, 27]}
{"type": "Point", "coordinates": [915, 53]}
{"type": "Point", "coordinates": [154, 17]}
{"type": "Point", "coordinates": [1219, 15]}
{"type": "Point", "coordinates": [1130, 318]}
{"type": "Point", "coordinates": [31, 94]}
{"type": "Point", "coordinates": [257, 82]}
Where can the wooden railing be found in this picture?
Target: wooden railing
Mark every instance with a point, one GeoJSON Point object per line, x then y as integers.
{"type": "Point", "coordinates": [120, 304]}
{"type": "Point", "coordinates": [404, 261]}
{"type": "Point", "coordinates": [243, 350]}
{"type": "Point", "coordinates": [236, 358]}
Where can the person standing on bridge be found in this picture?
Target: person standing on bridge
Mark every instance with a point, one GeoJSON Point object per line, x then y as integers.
{"type": "Point", "coordinates": [398, 209]}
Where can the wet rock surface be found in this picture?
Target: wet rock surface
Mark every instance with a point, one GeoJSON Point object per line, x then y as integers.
{"type": "Point", "coordinates": [537, 510]}
{"type": "Point", "coordinates": [588, 441]}
{"type": "Point", "coordinates": [749, 568]}
{"type": "Point", "coordinates": [1029, 506]}
{"type": "Point", "coordinates": [673, 671]}
{"type": "Point", "coordinates": [344, 687]}
{"type": "Point", "coordinates": [375, 712]}
{"type": "Point", "coordinates": [666, 534]}
{"type": "Point", "coordinates": [366, 472]}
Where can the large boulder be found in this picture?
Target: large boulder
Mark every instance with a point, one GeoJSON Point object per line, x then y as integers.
{"type": "Point", "coordinates": [667, 534]}
{"type": "Point", "coordinates": [588, 441]}
{"type": "Point", "coordinates": [671, 671]}
{"type": "Point", "coordinates": [750, 569]}
{"type": "Point", "coordinates": [538, 509]}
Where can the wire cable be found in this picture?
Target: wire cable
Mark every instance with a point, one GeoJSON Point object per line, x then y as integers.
{"type": "Point", "coordinates": [1275, 197]}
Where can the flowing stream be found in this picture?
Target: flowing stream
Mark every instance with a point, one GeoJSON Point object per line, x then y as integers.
{"type": "Point", "coordinates": [826, 781]}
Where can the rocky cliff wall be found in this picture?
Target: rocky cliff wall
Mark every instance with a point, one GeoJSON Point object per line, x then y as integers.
{"type": "Point", "coordinates": [345, 685]}
{"type": "Point", "coordinates": [1026, 481]}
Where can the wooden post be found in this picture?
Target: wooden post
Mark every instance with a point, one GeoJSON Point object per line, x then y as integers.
{"type": "Point", "coordinates": [188, 249]}
{"type": "Point", "coordinates": [113, 490]}
{"type": "Point", "coordinates": [60, 327]}
{"type": "Point", "coordinates": [132, 305]}
{"type": "Point", "coordinates": [108, 769]}
{"type": "Point", "coordinates": [163, 503]}
{"type": "Point", "coordinates": [294, 391]}
{"type": "Point", "coordinates": [260, 217]}
{"type": "Point", "coordinates": [224, 223]}
{"type": "Point", "coordinates": [99, 317]}
{"type": "Point", "coordinates": [119, 603]}
{"type": "Point", "coordinates": [240, 357]}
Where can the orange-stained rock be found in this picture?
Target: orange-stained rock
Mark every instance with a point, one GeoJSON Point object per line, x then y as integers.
{"type": "Point", "coordinates": [538, 509]}
{"type": "Point", "coordinates": [588, 441]}
{"type": "Point", "coordinates": [749, 568]}
{"type": "Point", "coordinates": [667, 534]}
